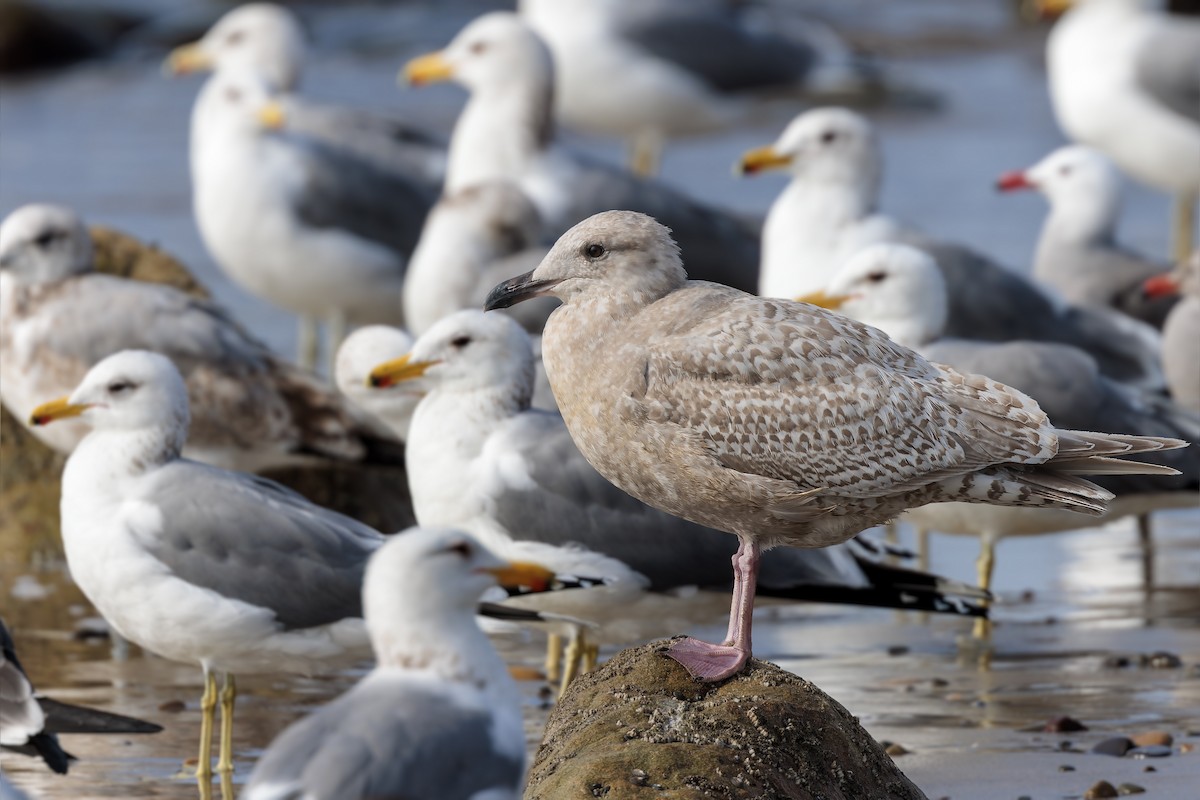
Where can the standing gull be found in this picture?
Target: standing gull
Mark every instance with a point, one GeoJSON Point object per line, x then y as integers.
{"type": "Point", "coordinates": [506, 132]}
{"type": "Point", "coordinates": [900, 291]}
{"type": "Point", "coordinates": [1182, 331]}
{"type": "Point", "coordinates": [266, 40]}
{"type": "Point", "coordinates": [197, 564]}
{"type": "Point", "coordinates": [250, 409]}
{"type": "Point", "coordinates": [482, 459]}
{"type": "Point", "coordinates": [777, 421]}
{"type": "Point", "coordinates": [827, 212]}
{"type": "Point", "coordinates": [1125, 79]}
{"type": "Point", "coordinates": [438, 718]}
{"type": "Point", "coordinates": [1078, 254]}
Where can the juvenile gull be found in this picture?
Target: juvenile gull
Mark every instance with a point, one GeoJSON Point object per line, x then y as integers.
{"type": "Point", "coordinates": [267, 41]}
{"type": "Point", "coordinates": [900, 291]}
{"type": "Point", "coordinates": [197, 564]}
{"type": "Point", "coordinates": [482, 459]}
{"type": "Point", "coordinates": [1078, 254]}
{"type": "Point", "coordinates": [778, 421]}
{"type": "Point", "coordinates": [827, 212]}
{"type": "Point", "coordinates": [1125, 79]}
{"type": "Point", "coordinates": [250, 409]}
{"type": "Point", "coordinates": [438, 718]}
{"type": "Point", "coordinates": [506, 132]}
{"type": "Point", "coordinates": [315, 230]}
{"type": "Point", "coordinates": [1182, 331]}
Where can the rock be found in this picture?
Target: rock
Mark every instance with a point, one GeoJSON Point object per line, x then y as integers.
{"type": "Point", "coordinates": [1150, 751]}
{"type": "Point", "coordinates": [1063, 725]}
{"type": "Point", "coordinates": [1130, 788]}
{"type": "Point", "coordinates": [764, 733]}
{"type": "Point", "coordinates": [896, 750]}
{"type": "Point", "coordinates": [1116, 662]}
{"type": "Point", "coordinates": [1100, 789]}
{"type": "Point", "coordinates": [1115, 746]}
{"type": "Point", "coordinates": [44, 36]}
{"type": "Point", "coordinates": [1066, 768]}
{"type": "Point", "coordinates": [1162, 660]}
{"type": "Point", "coordinates": [1187, 747]}
{"type": "Point", "coordinates": [1152, 737]}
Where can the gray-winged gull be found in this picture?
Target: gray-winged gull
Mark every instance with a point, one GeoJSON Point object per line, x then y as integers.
{"type": "Point", "coordinates": [827, 212]}
{"type": "Point", "coordinates": [1078, 254]}
{"type": "Point", "coordinates": [267, 40]}
{"type": "Point", "coordinates": [438, 718]}
{"type": "Point", "coordinates": [250, 409]}
{"type": "Point", "coordinates": [197, 564]}
{"type": "Point", "coordinates": [777, 421]}
{"type": "Point", "coordinates": [1125, 78]}
{"type": "Point", "coordinates": [506, 132]}
{"type": "Point", "coordinates": [899, 290]}
{"type": "Point", "coordinates": [1182, 331]}
{"type": "Point", "coordinates": [482, 459]}
{"type": "Point", "coordinates": [313, 229]}
{"type": "Point", "coordinates": [30, 723]}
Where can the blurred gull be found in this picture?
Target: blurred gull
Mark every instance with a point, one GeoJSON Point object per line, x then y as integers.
{"type": "Point", "coordinates": [1078, 254]}
{"type": "Point", "coordinates": [307, 227]}
{"type": "Point", "coordinates": [438, 718]}
{"type": "Point", "coordinates": [266, 40]}
{"type": "Point", "coordinates": [506, 132]}
{"type": "Point", "coordinates": [250, 409]}
{"type": "Point", "coordinates": [777, 421]}
{"type": "Point", "coordinates": [827, 212]}
{"type": "Point", "coordinates": [1125, 79]}
{"type": "Point", "coordinates": [480, 458]}
{"type": "Point", "coordinates": [197, 564]}
{"type": "Point", "coordinates": [1181, 333]}
{"type": "Point", "coordinates": [899, 290]}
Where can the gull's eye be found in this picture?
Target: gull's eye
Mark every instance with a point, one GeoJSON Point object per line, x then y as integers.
{"type": "Point", "coordinates": [461, 548]}
{"type": "Point", "coordinates": [876, 277]}
{"type": "Point", "coordinates": [120, 387]}
{"type": "Point", "coordinates": [829, 136]}
{"type": "Point", "coordinates": [234, 38]}
{"type": "Point", "coordinates": [594, 250]}
{"type": "Point", "coordinates": [1064, 170]}
{"type": "Point", "coordinates": [478, 47]}
{"type": "Point", "coordinates": [233, 95]}
{"type": "Point", "coordinates": [44, 239]}
{"type": "Point", "coordinates": [460, 342]}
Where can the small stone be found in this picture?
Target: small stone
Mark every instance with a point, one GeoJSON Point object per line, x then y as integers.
{"type": "Point", "coordinates": [1130, 788]}
{"type": "Point", "coordinates": [172, 706]}
{"type": "Point", "coordinates": [1116, 662]}
{"type": "Point", "coordinates": [1115, 746]}
{"type": "Point", "coordinates": [895, 749]}
{"type": "Point", "coordinates": [638, 777]}
{"type": "Point", "coordinates": [897, 650]}
{"type": "Point", "coordinates": [1063, 725]}
{"type": "Point", "coordinates": [1152, 737]}
{"type": "Point", "coordinates": [1162, 660]}
{"type": "Point", "coordinates": [1066, 768]}
{"type": "Point", "coordinates": [1064, 745]}
{"type": "Point", "coordinates": [1149, 768]}
{"type": "Point", "coordinates": [1150, 751]}
{"type": "Point", "coordinates": [1100, 789]}
{"type": "Point", "coordinates": [1187, 747]}
{"type": "Point", "coordinates": [1024, 797]}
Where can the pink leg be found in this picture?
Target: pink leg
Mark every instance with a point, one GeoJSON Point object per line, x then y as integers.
{"type": "Point", "coordinates": [715, 662]}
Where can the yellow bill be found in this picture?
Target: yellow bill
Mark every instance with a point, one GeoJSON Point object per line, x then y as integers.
{"type": "Point", "coordinates": [522, 574]}
{"type": "Point", "coordinates": [429, 68]}
{"type": "Point", "coordinates": [760, 160]}
{"type": "Point", "coordinates": [186, 59]}
{"type": "Point", "coordinates": [56, 409]}
{"type": "Point", "coordinates": [820, 298]}
{"type": "Point", "coordinates": [398, 370]}
{"type": "Point", "coordinates": [272, 116]}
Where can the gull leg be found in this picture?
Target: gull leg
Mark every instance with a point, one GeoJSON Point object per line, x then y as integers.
{"type": "Point", "coordinates": [306, 342]}
{"type": "Point", "coordinates": [574, 657]}
{"type": "Point", "coordinates": [714, 662]}
{"type": "Point", "coordinates": [1146, 538]}
{"type": "Point", "coordinates": [645, 153]}
{"type": "Point", "coordinates": [335, 334]}
{"type": "Point", "coordinates": [208, 709]}
{"type": "Point", "coordinates": [591, 654]}
{"type": "Point", "coordinates": [922, 549]}
{"type": "Point", "coordinates": [554, 657]}
{"type": "Point", "coordinates": [985, 566]}
{"type": "Point", "coordinates": [228, 698]}
{"type": "Point", "coordinates": [1183, 226]}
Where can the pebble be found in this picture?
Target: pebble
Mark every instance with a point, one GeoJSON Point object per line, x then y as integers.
{"type": "Point", "coordinates": [1162, 660]}
{"type": "Point", "coordinates": [1150, 751]}
{"type": "Point", "coordinates": [1116, 662]}
{"type": "Point", "coordinates": [1152, 737]}
{"type": "Point", "coordinates": [897, 650]}
{"type": "Point", "coordinates": [1149, 768]}
{"type": "Point", "coordinates": [638, 777]}
{"type": "Point", "coordinates": [1100, 789]}
{"type": "Point", "coordinates": [172, 706]}
{"type": "Point", "coordinates": [894, 749]}
{"type": "Point", "coordinates": [1115, 746]}
{"type": "Point", "coordinates": [1130, 788]}
{"type": "Point", "coordinates": [1187, 747]}
{"type": "Point", "coordinates": [1066, 768]}
{"type": "Point", "coordinates": [1063, 725]}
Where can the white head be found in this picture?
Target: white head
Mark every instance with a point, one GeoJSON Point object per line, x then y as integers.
{"type": "Point", "coordinates": [494, 53]}
{"type": "Point", "coordinates": [823, 146]}
{"type": "Point", "coordinates": [262, 38]}
{"type": "Point", "coordinates": [134, 391]}
{"type": "Point", "coordinates": [893, 287]}
{"type": "Point", "coordinates": [622, 258]}
{"type": "Point", "coordinates": [1082, 186]}
{"type": "Point", "coordinates": [496, 217]}
{"type": "Point", "coordinates": [468, 351]}
{"type": "Point", "coordinates": [44, 243]}
{"type": "Point", "coordinates": [233, 102]}
{"type": "Point", "coordinates": [362, 351]}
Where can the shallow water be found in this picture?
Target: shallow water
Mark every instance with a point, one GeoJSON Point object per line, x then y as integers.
{"type": "Point", "coordinates": [111, 138]}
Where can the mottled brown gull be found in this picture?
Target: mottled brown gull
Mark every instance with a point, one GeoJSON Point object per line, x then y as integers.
{"type": "Point", "coordinates": [777, 421]}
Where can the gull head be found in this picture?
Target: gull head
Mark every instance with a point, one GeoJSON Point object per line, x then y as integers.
{"type": "Point", "coordinates": [262, 38]}
{"type": "Point", "coordinates": [134, 390]}
{"type": "Point", "coordinates": [238, 102]}
{"type": "Point", "coordinates": [43, 243]}
{"type": "Point", "coordinates": [496, 51]}
{"type": "Point", "coordinates": [362, 351]}
{"type": "Point", "coordinates": [622, 257]}
{"type": "Point", "coordinates": [465, 352]}
{"type": "Point", "coordinates": [1081, 185]}
{"type": "Point", "coordinates": [824, 145]}
{"type": "Point", "coordinates": [893, 287]}
{"type": "Point", "coordinates": [495, 216]}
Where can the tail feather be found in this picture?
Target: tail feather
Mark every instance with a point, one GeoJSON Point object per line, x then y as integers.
{"type": "Point", "coordinates": [1107, 465]}
{"type": "Point", "coordinates": [67, 718]}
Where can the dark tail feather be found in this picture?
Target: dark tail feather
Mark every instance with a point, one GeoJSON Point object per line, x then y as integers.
{"type": "Point", "coordinates": [67, 718]}
{"type": "Point", "coordinates": [46, 747]}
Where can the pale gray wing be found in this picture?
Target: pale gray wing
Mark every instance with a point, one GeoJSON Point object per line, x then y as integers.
{"type": "Point", "coordinates": [713, 46]}
{"type": "Point", "coordinates": [1104, 273]}
{"type": "Point", "coordinates": [1168, 65]}
{"type": "Point", "coordinates": [716, 245]}
{"type": "Point", "coordinates": [385, 740]}
{"type": "Point", "coordinates": [250, 539]}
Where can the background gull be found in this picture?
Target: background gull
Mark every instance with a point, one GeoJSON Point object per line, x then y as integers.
{"type": "Point", "coordinates": [267, 41]}
{"type": "Point", "coordinates": [438, 717]}
{"type": "Point", "coordinates": [774, 420]}
{"type": "Point", "coordinates": [482, 459]}
{"type": "Point", "coordinates": [58, 318]}
{"type": "Point", "coordinates": [900, 291]}
{"type": "Point", "coordinates": [315, 230]}
{"type": "Point", "coordinates": [827, 212]}
{"type": "Point", "coordinates": [1182, 331]}
{"type": "Point", "coordinates": [506, 132]}
{"type": "Point", "coordinates": [1078, 254]}
{"type": "Point", "coordinates": [359, 354]}
{"type": "Point", "coordinates": [1125, 79]}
